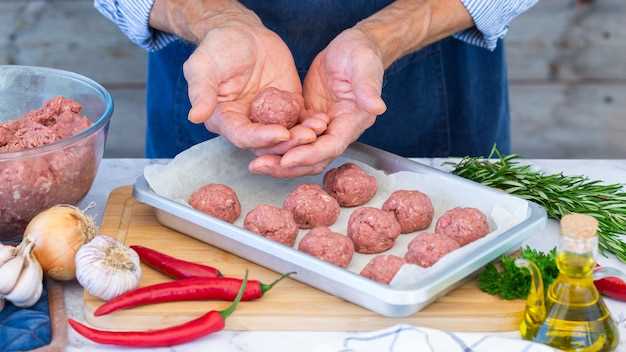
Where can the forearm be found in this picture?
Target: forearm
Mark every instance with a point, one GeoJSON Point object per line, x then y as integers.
{"type": "Point", "coordinates": [191, 19]}
{"type": "Point", "coordinates": [408, 25]}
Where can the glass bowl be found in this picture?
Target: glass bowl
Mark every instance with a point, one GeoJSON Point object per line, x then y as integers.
{"type": "Point", "coordinates": [58, 173]}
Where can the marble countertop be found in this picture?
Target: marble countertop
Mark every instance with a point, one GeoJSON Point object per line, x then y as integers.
{"type": "Point", "coordinates": [114, 173]}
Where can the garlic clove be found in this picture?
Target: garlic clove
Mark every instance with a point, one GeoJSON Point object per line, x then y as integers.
{"type": "Point", "coordinates": [33, 299]}
{"type": "Point", "coordinates": [10, 273]}
{"type": "Point", "coordinates": [6, 253]}
{"type": "Point", "coordinates": [28, 288]}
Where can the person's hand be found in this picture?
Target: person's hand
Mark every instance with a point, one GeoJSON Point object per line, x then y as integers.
{"type": "Point", "coordinates": [232, 63]}
{"type": "Point", "coordinates": [343, 84]}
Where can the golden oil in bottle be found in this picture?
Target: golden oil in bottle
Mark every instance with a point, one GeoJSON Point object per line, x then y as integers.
{"type": "Point", "coordinates": [576, 318]}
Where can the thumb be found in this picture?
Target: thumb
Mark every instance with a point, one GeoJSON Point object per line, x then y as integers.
{"type": "Point", "coordinates": [203, 102]}
{"type": "Point", "coordinates": [367, 77]}
{"type": "Point", "coordinates": [202, 89]}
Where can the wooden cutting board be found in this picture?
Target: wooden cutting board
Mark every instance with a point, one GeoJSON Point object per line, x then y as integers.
{"type": "Point", "coordinates": [290, 305]}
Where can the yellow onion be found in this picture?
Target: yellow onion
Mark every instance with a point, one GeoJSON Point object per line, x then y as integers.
{"type": "Point", "coordinates": [58, 233]}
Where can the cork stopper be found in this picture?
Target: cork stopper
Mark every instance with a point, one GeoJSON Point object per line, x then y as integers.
{"type": "Point", "coordinates": [579, 226]}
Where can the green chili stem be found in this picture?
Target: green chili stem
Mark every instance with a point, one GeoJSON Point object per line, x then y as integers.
{"type": "Point", "coordinates": [231, 308]}
{"type": "Point", "coordinates": [266, 287]}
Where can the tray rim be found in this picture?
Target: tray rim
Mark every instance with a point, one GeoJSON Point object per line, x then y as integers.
{"type": "Point", "coordinates": [388, 295]}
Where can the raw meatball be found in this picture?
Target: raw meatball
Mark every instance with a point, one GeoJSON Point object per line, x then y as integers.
{"type": "Point", "coordinates": [372, 230]}
{"type": "Point", "coordinates": [217, 200]}
{"type": "Point", "coordinates": [329, 246]}
{"type": "Point", "coordinates": [413, 210]}
{"type": "Point", "coordinates": [312, 206]}
{"type": "Point", "coordinates": [427, 248]}
{"type": "Point", "coordinates": [274, 223]}
{"type": "Point", "coordinates": [383, 268]}
{"type": "Point", "coordinates": [464, 225]}
{"type": "Point", "coordinates": [350, 185]}
{"type": "Point", "coordinates": [275, 106]}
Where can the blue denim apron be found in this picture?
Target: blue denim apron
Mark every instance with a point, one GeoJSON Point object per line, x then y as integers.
{"type": "Point", "coordinates": [447, 99]}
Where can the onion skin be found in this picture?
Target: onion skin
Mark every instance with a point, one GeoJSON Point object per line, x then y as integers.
{"type": "Point", "coordinates": [58, 233]}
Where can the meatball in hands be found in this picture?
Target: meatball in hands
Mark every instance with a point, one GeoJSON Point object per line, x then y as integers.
{"type": "Point", "coordinates": [233, 63]}
{"type": "Point", "coordinates": [343, 85]}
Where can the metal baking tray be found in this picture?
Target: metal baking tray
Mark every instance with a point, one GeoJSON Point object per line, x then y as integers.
{"type": "Point", "coordinates": [383, 299]}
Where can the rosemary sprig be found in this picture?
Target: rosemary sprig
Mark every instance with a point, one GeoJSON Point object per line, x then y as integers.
{"type": "Point", "coordinates": [557, 193]}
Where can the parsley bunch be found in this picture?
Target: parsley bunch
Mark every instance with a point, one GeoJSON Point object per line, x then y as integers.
{"type": "Point", "coordinates": [506, 280]}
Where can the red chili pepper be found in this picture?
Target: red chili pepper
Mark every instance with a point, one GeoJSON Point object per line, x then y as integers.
{"type": "Point", "coordinates": [194, 289]}
{"type": "Point", "coordinates": [612, 287]}
{"type": "Point", "coordinates": [208, 323]}
{"type": "Point", "coordinates": [174, 267]}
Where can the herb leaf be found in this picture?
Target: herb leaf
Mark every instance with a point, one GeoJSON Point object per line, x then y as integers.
{"type": "Point", "coordinates": [506, 280]}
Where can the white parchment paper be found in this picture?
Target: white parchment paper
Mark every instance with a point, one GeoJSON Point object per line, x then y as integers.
{"type": "Point", "coordinates": [217, 161]}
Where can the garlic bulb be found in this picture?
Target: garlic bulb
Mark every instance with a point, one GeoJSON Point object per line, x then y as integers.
{"type": "Point", "coordinates": [29, 286]}
{"type": "Point", "coordinates": [107, 268]}
{"type": "Point", "coordinates": [10, 272]}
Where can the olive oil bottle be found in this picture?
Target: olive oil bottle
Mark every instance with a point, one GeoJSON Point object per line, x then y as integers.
{"type": "Point", "coordinates": [571, 315]}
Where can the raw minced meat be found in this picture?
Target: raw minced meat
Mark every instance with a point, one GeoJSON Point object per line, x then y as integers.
{"type": "Point", "coordinates": [312, 206]}
{"type": "Point", "coordinates": [427, 248]}
{"type": "Point", "coordinates": [372, 230]}
{"type": "Point", "coordinates": [31, 184]}
{"type": "Point", "coordinates": [463, 225]}
{"type": "Point", "coordinates": [275, 106]}
{"type": "Point", "coordinates": [329, 246]}
{"type": "Point", "coordinates": [383, 268]}
{"type": "Point", "coordinates": [413, 210]}
{"type": "Point", "coordinates": [216, 200]}
{"type": "Point", "coordinates": [350, 185]}
{"type": "Point", "coordinates": [274, 223]}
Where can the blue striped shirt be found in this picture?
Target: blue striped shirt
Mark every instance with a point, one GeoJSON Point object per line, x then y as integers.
{"type": "Point", "coordinates": [491, 20]}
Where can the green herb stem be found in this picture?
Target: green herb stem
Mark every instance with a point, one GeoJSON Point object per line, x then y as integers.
{"type": "Point", "coordinates": [557, 193]}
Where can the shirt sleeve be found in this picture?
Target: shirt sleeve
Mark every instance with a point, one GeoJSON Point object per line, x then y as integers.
{"type": "Point", "coordinates": [132, 17]}
{"type": "Point", "coordinates": [491, 20]}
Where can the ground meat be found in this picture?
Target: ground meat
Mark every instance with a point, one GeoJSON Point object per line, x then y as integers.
{"type": "Point", "coordinates": [312, 206]}
{"type": "Point", "coordinates": [413, 210]}
{"type": "Point", "coordinates": [29, 185]}
{"type": "Point", "coordinates": [427, 248]}
{"type": "Point", "coordinates": [58, 119]}
{"type": "Point", "coordinates": [274, 223]}
{"type": "Point", "coordinates": [217, 200]}
{"type": "Point", "coordinates": [464, 225]}
{"type": "Point", "coordinates": [383, 268]}
{"type": "Point", "coordinates": [329, 246]}
{"type": "Point", "coordinates": [350, 185]}
{"type": "Point", "coordinates": [275, 106]}
{"type": "Point", "coordinates": [372, 230]}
